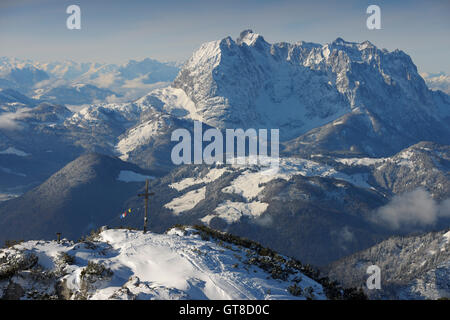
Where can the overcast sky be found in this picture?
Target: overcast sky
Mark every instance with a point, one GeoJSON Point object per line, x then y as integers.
{"type": "Point", "coordinates": [115, 31]}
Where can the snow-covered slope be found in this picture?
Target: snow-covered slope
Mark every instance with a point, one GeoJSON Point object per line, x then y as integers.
{"type": "Point", "coordinates": [123, 264]}
{"type": "Point", "coordinates": [249, 184]}
{"type": "Point", "coordinates": [423, 165]}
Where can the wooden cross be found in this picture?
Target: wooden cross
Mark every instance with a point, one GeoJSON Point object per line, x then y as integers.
{"type": "Point", "coordinates": [146, 196]}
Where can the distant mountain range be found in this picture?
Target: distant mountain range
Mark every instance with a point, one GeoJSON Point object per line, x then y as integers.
{"type": "Point", "coordinates": [75, 83]}
{"type": "Point", "coordinates": [437, 81]}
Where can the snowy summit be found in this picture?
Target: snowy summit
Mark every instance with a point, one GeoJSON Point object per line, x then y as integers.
{"type": "Point", "coordinates": [184, 263]}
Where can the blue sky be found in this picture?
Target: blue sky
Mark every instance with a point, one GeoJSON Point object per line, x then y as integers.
{"type": "Point", "coordinates": [115, 31]}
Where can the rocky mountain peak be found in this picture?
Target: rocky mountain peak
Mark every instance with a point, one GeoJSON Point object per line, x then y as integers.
{"type": "Point", "coordinates": [240, 83]}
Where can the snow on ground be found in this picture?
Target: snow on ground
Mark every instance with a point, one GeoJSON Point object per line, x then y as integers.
{"type": "Point", "coordinates": [174, 101]}
{"type": "Point", "coordinates": [445, 241]}
{"type": "Point", "coordinates": [175, 265]}
{"type": "Point", "coordinates": [169, 101]}
{"type": "Point", "coordinates": [187, 201]}
{"type": "Point", "coordinates": [447, 237]}
{"type": "Point", "coordinates": [360, 161]}
{"type": "Point", "coordinates": [404, 158]}
{"type": "Point", "coordinates": [233, 211]}
{"type": "Point", "coordinates": [14, 151]}
{"type": "Point", "coordinates": [131, 176]}
{"type": "Point", "coordinates": [338, 122]}
{"type": "Point", "coordinates": [211, 176]}
{"type": "Point", "coordinates": [101, 112]}
{"type": "Point", "coordinates": [137, 136]}
{"type": "Point", "coordinates": [250, 183]}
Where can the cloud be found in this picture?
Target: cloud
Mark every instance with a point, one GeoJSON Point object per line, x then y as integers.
{"type": "Point", "coordinates": [346, 235]}
{"type": "Point", "coordinates": [137, 83]}
{"type": "Point", "coordinates": [51, 83]}
{"type": "Point", "coordinates": [113, 99]}
{"type": "Point", "coordinates": [412, 210]}
{"type": "Point", "coordinates": [343, 237]}
{"type": "Point", "coordinates": [444, 209]}
{"type": "Point", "coordinates": [128, 89]}
{"type": "Point", "coordinates": [264, 221]}
{"type": "Point", "coordinates": [9, 120]}
{"type": "Point", "coordinates": [77, 108]}
{"type": "Point", "coordinates": [133, 89]}
{"type": "Point", "coordinates": [106, 80]}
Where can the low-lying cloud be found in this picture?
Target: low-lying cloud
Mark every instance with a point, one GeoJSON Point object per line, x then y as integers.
{"type": "Point", "coordinates": [264, 221]}
{"type": "Point", "coordinates": [9, 120]}
{"type": "Point", "coordinates": [412, 210]}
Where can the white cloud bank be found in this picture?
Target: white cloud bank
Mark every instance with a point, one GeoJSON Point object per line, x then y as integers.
{"type": "Point", "coordinates": [412, 210]}
{"type": "Point", "coordinates": [10, 120]}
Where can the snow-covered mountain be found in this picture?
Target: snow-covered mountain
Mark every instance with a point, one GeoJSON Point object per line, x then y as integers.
{"type": "Point", "coordinates": [340, 97]}
{"type": "Point", "coordinates": [414, 267]}
{"type": "Point", "coordinates": [184, 263]}
{"type": "Point", "coordinates": [355, 88]}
